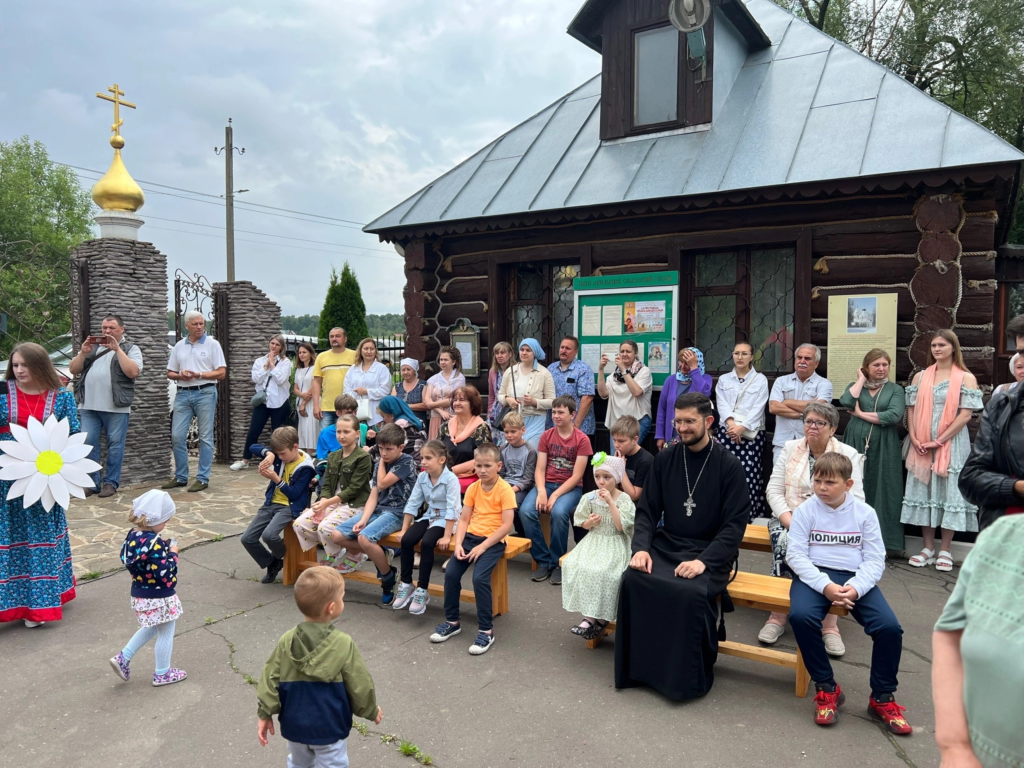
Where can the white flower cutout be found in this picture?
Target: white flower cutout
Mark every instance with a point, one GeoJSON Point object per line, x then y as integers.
{"type": "Point", "coordinates": [47, 463]}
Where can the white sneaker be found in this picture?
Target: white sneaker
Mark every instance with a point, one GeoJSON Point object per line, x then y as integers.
{"type": "Point", "coordinates": [420, 600]}
{"type": "Point", "coordinates": [403, 596]}
{"type": "Point", "coordinates": [770, 633]}
{"type": "Point", "coordinates": [346, 565]}
{"type": "Point", "coordinates": [834, 645]}
{"type": "Point", "coordinates": [240, 464]}
{"type": "Point", "coordinates": [33, 624]}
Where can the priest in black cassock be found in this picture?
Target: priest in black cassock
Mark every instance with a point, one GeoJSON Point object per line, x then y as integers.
{"type": "Point", "coordinates": [667, 634]}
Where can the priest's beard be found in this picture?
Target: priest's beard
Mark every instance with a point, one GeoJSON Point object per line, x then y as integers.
{"type": "Point", "coordinates": [697, 436]}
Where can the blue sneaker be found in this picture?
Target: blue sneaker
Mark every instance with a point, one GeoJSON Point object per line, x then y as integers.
{"type": "Point", "coordinates": [484, 640]}
{"type": "Point", "coordinates": [387, 584]}
{"type": "Point", "coordinates": [445, 631]}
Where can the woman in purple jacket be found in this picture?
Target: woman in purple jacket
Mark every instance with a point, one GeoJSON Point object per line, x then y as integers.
{"type": "Point", "coordinates": [690, 377]}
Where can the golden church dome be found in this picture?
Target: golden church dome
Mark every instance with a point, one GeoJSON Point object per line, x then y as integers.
{"type": "Point", "coordinates": [117, 190]}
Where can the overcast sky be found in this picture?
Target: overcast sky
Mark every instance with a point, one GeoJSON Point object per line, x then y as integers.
{"type": "Point", "coordinates": [344, 108]}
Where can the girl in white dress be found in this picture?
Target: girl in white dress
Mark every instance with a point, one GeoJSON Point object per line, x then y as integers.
{"type": "Point", "coordinates": [309, 426]}
{"type": "Point", "coordinates": [593, 570]}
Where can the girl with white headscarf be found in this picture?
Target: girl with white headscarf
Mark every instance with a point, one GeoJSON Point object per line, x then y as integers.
{"type": "Point", "coordinates": [153, 564]}
{"type": "Point", "coordinates": [410, 388]}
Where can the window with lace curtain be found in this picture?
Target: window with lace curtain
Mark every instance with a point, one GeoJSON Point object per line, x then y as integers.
{"type": "Point", "coordinates": [540, 304]}
{"type": "Point", "coordinates": [744, 294]}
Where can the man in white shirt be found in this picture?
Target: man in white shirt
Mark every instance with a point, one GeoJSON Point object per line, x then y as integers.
{"type": "Point", "coordinates": [792, 393]}
{"type": "Point", "coordinates": [104, 393]}
{"type": "Point", "coordinates": [196, 365]}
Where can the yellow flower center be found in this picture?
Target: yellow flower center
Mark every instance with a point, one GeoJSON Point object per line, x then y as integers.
{"type": "Point", "coordinates": [49, 462]}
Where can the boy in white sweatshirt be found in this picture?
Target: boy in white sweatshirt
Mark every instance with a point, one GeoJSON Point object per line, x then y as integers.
{"type": "Point", "coordinates": [837, 554]}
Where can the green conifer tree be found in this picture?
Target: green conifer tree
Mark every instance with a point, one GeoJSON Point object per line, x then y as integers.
{"type": "Point", "coordinates": [344, 308]}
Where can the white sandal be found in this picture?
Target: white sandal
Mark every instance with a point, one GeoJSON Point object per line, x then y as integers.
{"type": "Point", "coordinates": [944, 562]}
{"type": "Point", "coordinates": [925, 557]}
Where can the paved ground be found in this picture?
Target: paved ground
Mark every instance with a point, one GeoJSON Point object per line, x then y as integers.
{"type": "Point", "coordinates": [538, 698]}
{"type": "Point", "coordinates": [98, 525]}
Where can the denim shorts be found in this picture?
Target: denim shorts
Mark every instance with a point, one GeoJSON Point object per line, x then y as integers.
{"type": "Point", "coordinates": [382, 523]}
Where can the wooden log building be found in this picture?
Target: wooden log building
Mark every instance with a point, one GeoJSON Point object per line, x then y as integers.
{"type": "Point", "coordinates": [778, 168]}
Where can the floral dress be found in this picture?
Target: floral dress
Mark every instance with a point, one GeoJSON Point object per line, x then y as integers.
{"type": "Point", "coordinates": [413, 397]}
{"type": "Point", "coordinates": [593, 570]}
{"type": "Point", "coordinates": [939, 503]}
{"type": "Point", "coordinates": [36, 578]}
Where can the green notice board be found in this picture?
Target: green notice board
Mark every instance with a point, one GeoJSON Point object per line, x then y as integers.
{"type": "Point", "coordinates": [642, 307]}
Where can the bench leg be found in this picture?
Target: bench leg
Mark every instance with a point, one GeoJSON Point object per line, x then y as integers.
{"type": "Point", "coordinates": [293, 556]}
{"type": "Point", "coordinates": [499, 588]}
{"type": "Point", "coordinates": [803, 678]}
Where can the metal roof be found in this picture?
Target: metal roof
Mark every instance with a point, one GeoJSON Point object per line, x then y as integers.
{"type": "Point", "coordinates": [806, 109]}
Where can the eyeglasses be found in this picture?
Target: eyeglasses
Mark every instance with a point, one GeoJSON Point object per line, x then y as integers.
{"type": "Point", "coordinates": [815, 424]}
{"type": "Point", "coordinates": [686, 422]}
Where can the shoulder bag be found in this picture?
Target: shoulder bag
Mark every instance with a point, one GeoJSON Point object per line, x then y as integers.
{"type": "Point", "coordinates": [506, 409]}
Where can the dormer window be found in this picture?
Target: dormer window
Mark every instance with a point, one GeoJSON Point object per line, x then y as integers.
{"type": "Point", "coordinates": [655, 76]}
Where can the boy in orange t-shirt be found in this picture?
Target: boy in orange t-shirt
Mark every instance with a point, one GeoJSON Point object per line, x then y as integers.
{"type": "Point", "coordinates": [480, 539]}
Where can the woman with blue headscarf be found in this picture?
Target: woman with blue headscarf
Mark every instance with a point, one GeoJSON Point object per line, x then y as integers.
{"type": "Point", "coordinates": [690, 377]}
{"type": "Point", "coordinates": [394, 410]}
{"type": "Point", "coordinates": [529, 389]}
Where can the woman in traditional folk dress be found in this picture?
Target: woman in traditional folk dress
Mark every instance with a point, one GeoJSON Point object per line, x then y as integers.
{"type": "Point", "coordinates": [36, 579]}
{"type": "Point", "coordinates": [939, 405]}
{"type": "Point", "coordinates": [877, 406]}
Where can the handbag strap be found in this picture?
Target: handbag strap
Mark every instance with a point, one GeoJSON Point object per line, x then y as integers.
{"type": "Point", "coordinates": [745, 388]}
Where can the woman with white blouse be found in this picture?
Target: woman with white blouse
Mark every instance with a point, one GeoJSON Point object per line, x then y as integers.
{"type": "Point", "coordinates": [369, 379]}
{"type": "Point", "coordinates": [309, 426]}
{"type": "Point", "coordinates": [529, 389]}
{"type": "Point", "coordinates": [271, 375]}
{"type": "Point", "coordinates": [627, 388]}
{"type": "Point", "coordinates": [741, 396]}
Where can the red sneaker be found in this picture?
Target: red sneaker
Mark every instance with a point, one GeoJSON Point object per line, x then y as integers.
{"type": "Point", "coordinates": [891, 715]}
{"type": "Point", "coordinates": [827, 706]}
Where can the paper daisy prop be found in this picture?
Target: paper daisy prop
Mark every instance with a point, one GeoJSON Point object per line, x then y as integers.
{"type": "Point", "coordinates": [47, 463]}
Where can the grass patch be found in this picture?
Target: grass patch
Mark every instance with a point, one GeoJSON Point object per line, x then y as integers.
{"type": "Point", "coordinates": [218, 537]}
{"type": "Point", "coordinates": [91, 575]}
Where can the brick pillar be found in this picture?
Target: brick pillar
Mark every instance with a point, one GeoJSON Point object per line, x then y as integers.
{"type": "Point", "coordinates": [252, 320]}
{"type": "Point", "coordinates": [129, 278]}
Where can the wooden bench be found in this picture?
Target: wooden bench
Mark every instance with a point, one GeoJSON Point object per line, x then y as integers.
{"type": "Point", "coordinates": [514, 546]}
{"type": "Point", "coordinates": [755, 538]}
{"type": "Point", "coordinates": [762, 593]}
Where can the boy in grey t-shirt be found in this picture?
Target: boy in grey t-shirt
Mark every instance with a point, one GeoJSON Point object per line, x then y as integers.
{"type": "Point", "coordinates": [518, 462]}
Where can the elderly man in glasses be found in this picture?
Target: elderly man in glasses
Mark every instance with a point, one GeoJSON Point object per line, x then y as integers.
{"type": "Point", "coordinates": [793, 393]}
{"type": "Point", "coordinates": [789, 487]}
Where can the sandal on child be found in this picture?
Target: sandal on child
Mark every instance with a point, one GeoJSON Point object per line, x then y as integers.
{"type": "Point", "coordinates": [944, 562]}
{"type": "Point", "coordinates": [924, 557]}
{"type": "Point", "coordinates": [595, 631]}
{"type": "Point", "coordinates": [582, 627]}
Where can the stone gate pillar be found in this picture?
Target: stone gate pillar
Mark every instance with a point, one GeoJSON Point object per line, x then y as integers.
{"type": "Point", "coordinates": [252, 318]}
{"type": "Point", "coordinates": [129, 278]}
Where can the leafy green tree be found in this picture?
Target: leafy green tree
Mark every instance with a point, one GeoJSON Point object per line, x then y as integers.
{"type": "Point", "coordinates": [968, 55]}
{"type": "Point", "coordinates": [344, 307]}
{"type": "Point", "coordinates": [44, 214]}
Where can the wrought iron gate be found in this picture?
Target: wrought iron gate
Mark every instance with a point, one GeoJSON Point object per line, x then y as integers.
{"type": "Point", "coordinates": [197, 293]}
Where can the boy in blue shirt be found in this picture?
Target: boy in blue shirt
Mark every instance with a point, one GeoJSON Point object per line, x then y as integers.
{"type": "Point", "coordinates": [328, 443]}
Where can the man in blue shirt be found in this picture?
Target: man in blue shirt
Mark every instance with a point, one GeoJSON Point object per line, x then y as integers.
{"type": "Point", "coordinates": [574, 378]}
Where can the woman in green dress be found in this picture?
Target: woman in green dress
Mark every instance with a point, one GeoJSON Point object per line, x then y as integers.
{"type": "Point", "coordinates": [877, 406]}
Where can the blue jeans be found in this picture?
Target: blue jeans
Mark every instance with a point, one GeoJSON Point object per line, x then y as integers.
{"type": "Point", "coordinates": [116, 427]}
{"type": "Point", "coordinates": [201, 403]}
{"type": "Point", "coordinates": [645, 427]}
{"type": "Point", "coordinates": [808, 607]}
{"type": "Point", "coordinates": [318, 755]}
{"type": "Point", "coordinates": [561, 516]}
{"type": "Point", "coordinates": [328, 419]}
{"type": "Point", "coordinates": [481, 581]}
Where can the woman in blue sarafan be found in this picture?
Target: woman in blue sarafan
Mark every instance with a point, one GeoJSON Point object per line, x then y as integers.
{"type": "Point", "coordinates": [36, 579]}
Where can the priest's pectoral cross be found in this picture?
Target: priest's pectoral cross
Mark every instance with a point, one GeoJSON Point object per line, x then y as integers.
{"type": "Point", "coordinates": [689, 504]}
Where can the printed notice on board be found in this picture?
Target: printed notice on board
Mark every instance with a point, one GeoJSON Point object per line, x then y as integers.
{"type": "Point", "coordinates": [591, 321]}
{"type": "Point", "coordinates": [857, 324]}
{"type": "Point", "coordinates": [612, 321]}
{"type": "Point", "coordinates": [591, 353]}
{"type": "Point", "coordinates": [659, 357]}
{"type": "Point", "coordinates": [650, 316]}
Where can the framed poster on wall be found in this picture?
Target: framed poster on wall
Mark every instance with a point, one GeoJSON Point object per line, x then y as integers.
{"type": "Point", "coordinates": [642, 307]}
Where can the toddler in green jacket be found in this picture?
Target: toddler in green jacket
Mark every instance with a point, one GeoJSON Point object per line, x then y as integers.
{"type": "Point", "coordinates": [316, 718]}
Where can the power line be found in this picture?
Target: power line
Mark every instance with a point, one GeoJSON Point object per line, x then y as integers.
{"type": "Point", "coordinates": [269, 234]}
{"type": "Point", "coordinates": [217, 197]}
{"type": "Point", "coordinates": [396, 257]}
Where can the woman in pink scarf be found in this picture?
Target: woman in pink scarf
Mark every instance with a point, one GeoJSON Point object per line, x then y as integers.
{"type": "Point", "coordinates": [940, 402]}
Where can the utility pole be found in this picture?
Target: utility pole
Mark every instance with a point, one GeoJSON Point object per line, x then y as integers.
{"type": "Point", "coordinates": [229, 194]}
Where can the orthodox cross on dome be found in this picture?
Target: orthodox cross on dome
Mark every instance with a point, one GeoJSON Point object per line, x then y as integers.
{"type": "Point", "coordinates": [116, 98]}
